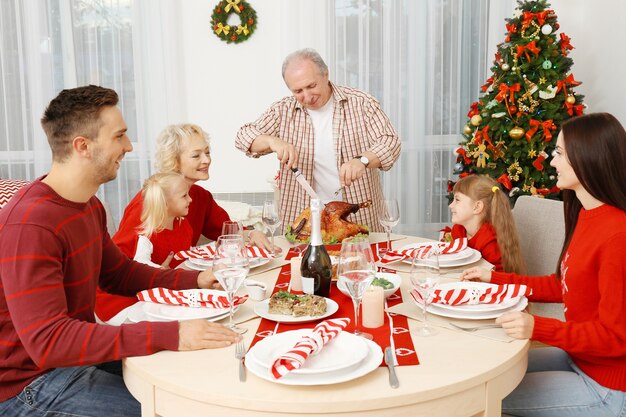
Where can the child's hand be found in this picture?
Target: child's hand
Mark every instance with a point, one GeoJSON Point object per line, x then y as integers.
{"type": "Point", "coordinates": [476, 274]}
{"type": "Point", "coordinates": [206, 279]}
{"type": "Point", "coordinates": [166, 262]}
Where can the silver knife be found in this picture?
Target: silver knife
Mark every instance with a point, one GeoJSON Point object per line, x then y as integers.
{"type": "Point", "coordinates": [391, 363]}
{"type": "Point", "coordinates": [303, 182]}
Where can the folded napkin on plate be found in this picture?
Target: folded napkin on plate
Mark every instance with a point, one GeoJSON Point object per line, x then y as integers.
{"type": "Point", "coordinates": [207, 252]}
{"type": "Point", "coordinates": [474, 295]}
{"type": "Point", "coordinates": [189, 298]}
{"type": "Point", "coordinates": [294, 358]}
{"type": "Point", "coordinates": [423, 250]}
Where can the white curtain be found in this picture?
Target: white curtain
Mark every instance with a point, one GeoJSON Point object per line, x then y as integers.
{"type": "Point", "coordinates": [51, 45]}
{"type": "Point", "coordinates": [425, 61]}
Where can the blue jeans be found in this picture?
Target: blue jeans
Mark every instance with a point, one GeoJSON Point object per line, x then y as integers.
{"type": "Point", "coordinates": [555, 387]}
{"type": "Point", "coordinates": [86, 391]}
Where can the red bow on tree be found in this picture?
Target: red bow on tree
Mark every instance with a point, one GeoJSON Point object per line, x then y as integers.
{"type": "Point", "coordinates": [504, 180]}
{"type": "Point", "coordinates": [474, 109]}
{"type": "Point", "coordinates": [485, 87]}
{"type": "Point", "coordinates": [547, 126]}
{"type": "Point", "coordinates": [562, 84]}
{"type": "Point", "coordinates": [565, 45]}
{"type": "Point", "coordinates": [574, 109]}
{"type": "Point", "coordinates": [504, 89]}
{"type": "Point", "coordinates": [461, 151]}
{"type": "Point", "coordinates": [483, 135]}
{"type": "Point", "coordinates": [530, 46]}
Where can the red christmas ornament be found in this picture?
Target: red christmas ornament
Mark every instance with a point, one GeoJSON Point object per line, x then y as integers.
{"type": "Point", "coordinates": [232, 38]}
{"type": "Point", "coordinates": [218, 10]}
{"type": "Point", "coordinates": [250, 21]}
{"type": "Point", "coordinates": [538, 163]}
{"type": "Point", "coordinates": [513, 109]}
{"type": "Point", "coordinates": [241, 8]}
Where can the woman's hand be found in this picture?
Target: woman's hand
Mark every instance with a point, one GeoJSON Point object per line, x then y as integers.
{"type": "Point", "coordinates": [517, 324]}
{"type": "Point", "coordinates": [206, 279]}
{"type": "Point", "coordinates": [203, 334]}
{"type": "Point", "coordinates": [476, 274]}
{"type": "Point", "coordinates": [258, 238]}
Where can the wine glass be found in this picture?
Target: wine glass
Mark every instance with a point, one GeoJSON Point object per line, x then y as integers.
{"type": "Point", "coordinates": [231, 266]}
{"type": "Point", "coordinates": [270, 217]}
{"type": "Point", "coordinates": [389, 217]}
{"type": "Point", "coordinates": [231, 227]}
{"type": "Point", "coordinates": [356, 270]}
{"type": "Point", "coordinates": [425, 276]}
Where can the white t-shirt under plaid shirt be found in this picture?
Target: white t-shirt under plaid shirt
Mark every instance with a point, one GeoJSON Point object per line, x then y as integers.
{"type": "Point", "coordinates": [359, 125]}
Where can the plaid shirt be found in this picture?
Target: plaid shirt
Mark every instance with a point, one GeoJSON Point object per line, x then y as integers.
{"type": "Point", "coordinates": [359, 125]}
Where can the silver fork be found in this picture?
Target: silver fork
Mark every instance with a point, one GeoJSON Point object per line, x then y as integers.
{"type": "Point", "coordinates": [337, 192]}
{"type": "Point", "coordinates": [474, 328]}
{"type": "Point", "coordinates": [240, 354]}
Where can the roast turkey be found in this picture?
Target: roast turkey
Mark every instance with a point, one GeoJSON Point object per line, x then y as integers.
{"type": "Point", "coordinates": [334, 223]}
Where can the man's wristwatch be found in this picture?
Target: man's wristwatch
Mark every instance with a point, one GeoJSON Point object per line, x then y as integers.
{"type": "Point", "coordinates": [364, 160]}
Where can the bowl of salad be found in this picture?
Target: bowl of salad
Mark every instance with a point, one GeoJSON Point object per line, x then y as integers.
{"type": "Point", "coordinates": [388, 281]}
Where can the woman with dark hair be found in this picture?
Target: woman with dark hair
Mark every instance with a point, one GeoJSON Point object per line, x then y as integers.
{"type": "Point", "coordinates": [583, 373]}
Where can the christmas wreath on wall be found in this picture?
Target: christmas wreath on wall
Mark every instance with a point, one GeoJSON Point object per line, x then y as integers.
{"type": "Point", "coordinates": [233, 34]}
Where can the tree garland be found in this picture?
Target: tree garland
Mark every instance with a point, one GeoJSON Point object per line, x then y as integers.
{"type": "Point", "coordinates": [241, 32]}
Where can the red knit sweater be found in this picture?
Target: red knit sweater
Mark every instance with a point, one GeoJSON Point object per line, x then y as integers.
{"type": "Point", "coordinates": [205, 217]}
{"type": "Point", "coordinates": [593, 290]}
{"type": "Point", "coordinates": [53, 254]}
{"type": "Point", "coordinates": [484, 241]}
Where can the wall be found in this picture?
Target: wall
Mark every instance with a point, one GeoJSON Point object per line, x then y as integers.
{"type": "Point", "coordinates": [226, 85]}
{"type": "Point", "coordinates": [597, 32]}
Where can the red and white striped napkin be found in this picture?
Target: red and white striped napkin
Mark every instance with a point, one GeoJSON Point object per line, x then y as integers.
{"type": "Point", "coordinates": [208, 251]}
{"type": "Point", "coordinates": [422, 251]}
{"type": "Point", "coordinates": [470, 296]}
{"type": "Point", "coordinates": [321, 334]}
{"type": "Point", "coordinates": [190, 298]}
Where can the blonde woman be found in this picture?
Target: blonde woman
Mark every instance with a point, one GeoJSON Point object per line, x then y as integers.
{"type": "Point", "coordinates": [183, 149]}
{"type": "Point", "coordinates": [164, 229]}
{"type": "Point", "coordinates": [482, 213]}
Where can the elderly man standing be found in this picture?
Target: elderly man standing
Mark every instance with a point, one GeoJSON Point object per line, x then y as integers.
{"type": "Point", "coordinates": [338, 137]}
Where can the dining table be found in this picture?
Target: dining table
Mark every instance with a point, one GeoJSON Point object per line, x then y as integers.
{"type": "Point", "coordinates": [459, 374]}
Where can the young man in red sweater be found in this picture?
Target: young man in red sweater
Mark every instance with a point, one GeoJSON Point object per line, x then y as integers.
{"type": "Point", "coordinates": [54, 251]}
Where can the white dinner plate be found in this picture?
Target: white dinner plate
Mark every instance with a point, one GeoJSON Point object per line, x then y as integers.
{"type": "Point", "coordinates": [443, 263]}
{"type": "Point", "coordinates": [444, 257]}
{"type": "Point", "coordinates": [371, 362]}
{"type": "Point", "coordinates": [475, 315]}
{"type": "Point", "coordinates": [202, 264]}
{"type": "Point", "coordinates": [343, 352]}
{"type": "Point", "coordinates": [482, 307]}
{"type": "Point", "coordinates": [137, 314]}
{"type": "Point", "coordinates": [262, 309]}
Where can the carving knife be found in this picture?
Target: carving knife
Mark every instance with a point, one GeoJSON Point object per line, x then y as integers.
{"type": "Point", "coordinates": [304, 183]}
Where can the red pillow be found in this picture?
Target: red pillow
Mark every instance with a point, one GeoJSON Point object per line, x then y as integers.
{"type": "Point", "coordinates": [8, 188]}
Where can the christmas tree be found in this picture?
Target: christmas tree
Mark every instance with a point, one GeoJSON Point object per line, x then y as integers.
{"type": "Point", "coordinates": [513, 127]}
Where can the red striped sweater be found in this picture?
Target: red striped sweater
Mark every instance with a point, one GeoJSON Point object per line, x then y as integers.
{"type": "Point", "coordinates": [53, 254]}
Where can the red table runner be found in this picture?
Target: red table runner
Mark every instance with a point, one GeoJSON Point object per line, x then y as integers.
{"type": "Point", "coordinates": [394, 332]}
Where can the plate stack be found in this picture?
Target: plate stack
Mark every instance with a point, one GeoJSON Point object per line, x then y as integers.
{"type": "Point", "coordinates": [344, 358]}
{"type": "Point", "coordinates": [447, 260]}
{"type": "Point", "coordinates": [475, 311]}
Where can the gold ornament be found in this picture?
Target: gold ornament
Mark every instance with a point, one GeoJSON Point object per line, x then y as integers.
{"type": "Point", "coordinates": [542, 80]}
{"type": "Point", "coordinates": [467, 129]}
{"type": "Point", "coordinates": [526, 188]}
{"type": "Point", "coordinates": [514, 170]}
{"type": "Point", "coordinates": [532, 153]}
{"type": "Point", "coordinates": [535, 27]}
{"type": "Point", "coordinates": [527, 107]}
{"type": "Point", "coordinates": [481, 156]}
{"type": "Point", "coordinates": [505, 67]}
{"type": "Point", "coordinates": [571, 99]}
{"type": "Point", "coordinates": [476, 119]}
{"type": "Point", "coordinates": [517, 133]}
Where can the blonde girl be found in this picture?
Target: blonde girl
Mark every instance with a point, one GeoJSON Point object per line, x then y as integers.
{"type": "Point", "coordinates": [164, 229]}
{"type": "Point", "coordinates": [481, 212]}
